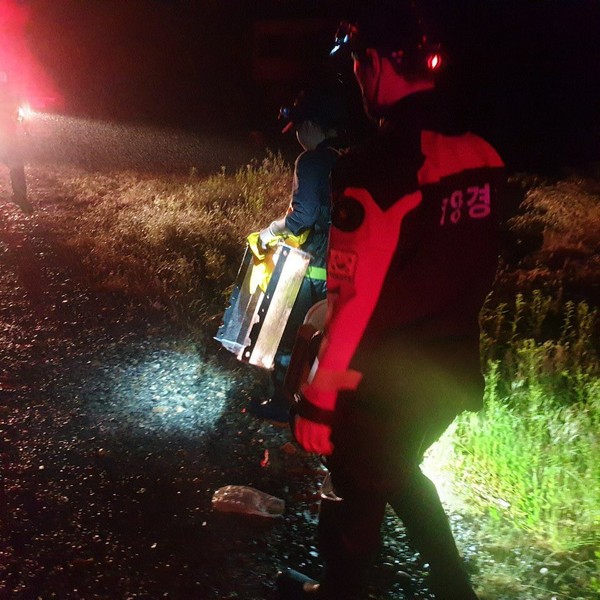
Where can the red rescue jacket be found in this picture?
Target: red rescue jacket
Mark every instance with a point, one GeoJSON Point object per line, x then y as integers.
{"type": "Point", "coordinates": [413, 247]}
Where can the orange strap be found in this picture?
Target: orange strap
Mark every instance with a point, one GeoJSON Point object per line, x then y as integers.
{"type": "Point", "coordinates": [332, 381]}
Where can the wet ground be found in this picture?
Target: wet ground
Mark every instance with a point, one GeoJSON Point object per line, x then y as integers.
{"type": "Point", "coordinates": [116, 429]}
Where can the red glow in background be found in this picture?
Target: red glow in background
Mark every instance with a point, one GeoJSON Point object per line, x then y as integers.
{"type": "Point", "coordinates": [25, 73]}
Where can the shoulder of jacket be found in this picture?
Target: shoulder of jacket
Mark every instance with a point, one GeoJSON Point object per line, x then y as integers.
{"type": "Point", "coordinates": [316, 157]}
{"type": "Point", "coordinates": [359, 153]}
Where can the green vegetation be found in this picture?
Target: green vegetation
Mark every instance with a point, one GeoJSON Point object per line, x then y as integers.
{"type": "Point", "coordinates": [528, 465]}
{"type": "Point", "coordinates": [530, 462]}
{"type": "Point", "coordinates": [534, 449]}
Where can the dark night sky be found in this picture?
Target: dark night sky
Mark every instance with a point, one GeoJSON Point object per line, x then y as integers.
{"type": "Point", "coordinates": [527, 71]}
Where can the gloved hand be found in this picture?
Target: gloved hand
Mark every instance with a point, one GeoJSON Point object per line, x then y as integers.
{"type": "Point", "coordinates": [313, 437]}
{"type": "Point", "coordinates": [266, 236]}
{"type": "Point", "coordinates": [272, 232]}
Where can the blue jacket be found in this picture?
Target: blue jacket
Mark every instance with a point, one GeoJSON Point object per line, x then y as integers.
{"type": "Point", "coordinates": [310, 207]}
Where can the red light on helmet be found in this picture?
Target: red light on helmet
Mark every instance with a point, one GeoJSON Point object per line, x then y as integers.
{"type": "Point", "coordinates": [434, 61]}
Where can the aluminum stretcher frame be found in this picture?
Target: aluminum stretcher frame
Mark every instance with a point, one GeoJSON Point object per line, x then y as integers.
{"type": "Point", "coordinates": [254, 321]}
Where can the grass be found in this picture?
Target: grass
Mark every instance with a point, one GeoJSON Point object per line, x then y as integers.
{"type": "Point", "coordinates": [531, 454]}
{"type": "Point", "coordinates": [527, 465]}
{"type": "Point", "coordinates": [530, 465]}
{"type": "Point", "coordinates": [525, 470]}
{"type": "Point", "coordinates": [172, 242]}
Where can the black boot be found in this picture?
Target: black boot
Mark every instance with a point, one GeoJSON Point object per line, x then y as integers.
{"type": "Point", "coordinates": [453, 588]}
{"type": "Point", "coordinates": [272, 410]}
{"type": "Point", "coordinates": [293, 585]}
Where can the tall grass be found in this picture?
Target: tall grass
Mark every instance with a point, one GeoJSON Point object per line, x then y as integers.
{"type": "Point", "coordinates": [172, 242]}
{"type": "Point", "coordinates": [540, 338]}
{"type": "Point", "coordinates": [536, 461]}
{"type": "Point", "coordinates": [529, 463]}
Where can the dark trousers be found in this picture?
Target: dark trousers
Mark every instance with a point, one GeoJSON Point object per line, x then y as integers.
{"type": "Point", "coordinates": [13, 160]}
{"type": "Point", "coordinates": [311, 292]}
{"type": "Point", "coordinates": [380, 435]}
{"type": "Point", "coordinates": [19, 183]}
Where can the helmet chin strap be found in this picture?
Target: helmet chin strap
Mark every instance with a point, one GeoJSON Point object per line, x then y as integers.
{"type": "Point", "coordinates": [376, 110]}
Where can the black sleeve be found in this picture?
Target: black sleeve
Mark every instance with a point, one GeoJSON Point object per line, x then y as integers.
{"type": "Point", "coordinates": [309, 176]}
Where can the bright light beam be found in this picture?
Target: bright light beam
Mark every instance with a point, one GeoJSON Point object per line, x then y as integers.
{"type": "Point", "coordinates": [170, 390]}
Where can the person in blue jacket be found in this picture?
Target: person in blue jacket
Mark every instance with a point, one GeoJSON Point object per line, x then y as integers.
{"type": "Point", "coordinates": [318, 119]}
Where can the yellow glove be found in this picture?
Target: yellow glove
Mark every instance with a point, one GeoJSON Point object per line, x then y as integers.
{"type": "Point", "coordinates": [263, 257]}
{"type": "Point", "coordinates": [263, 264]}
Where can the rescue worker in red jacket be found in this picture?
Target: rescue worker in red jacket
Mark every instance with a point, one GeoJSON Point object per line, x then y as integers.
{"type": "Point", "coordinates": [413, 253]}
{"type": "Point", "coordinates": [10, 151]}
{"type": "Point", "coordinates": [318, 118]}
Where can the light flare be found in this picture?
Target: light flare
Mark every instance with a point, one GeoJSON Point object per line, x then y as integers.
{"type": "Point", "coordinates": [437, 466]}
{"type": "Point", "coordinates": [434, 62]}
{"type": "Point", "coordinates": [24, 112]}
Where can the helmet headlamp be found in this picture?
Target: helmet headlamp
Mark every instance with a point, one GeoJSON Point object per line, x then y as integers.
{"type": "Point", "coordinates": [285, 112]}
{"type": "Point", "coordinates": [345, 36]}
{"type": "Point", "coordinates": [322, 103]}
{"type": "Point", "coordinates": [286, 115]}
